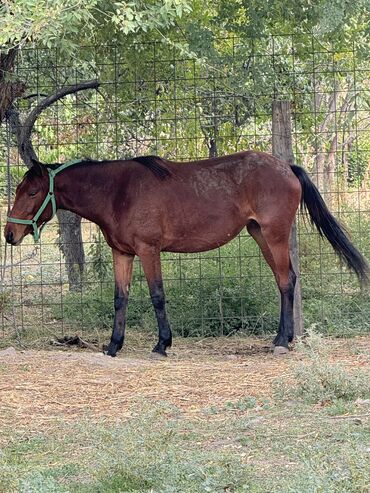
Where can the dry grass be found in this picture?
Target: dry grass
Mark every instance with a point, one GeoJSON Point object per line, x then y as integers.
{"type": "Point", "coordinates": [39, 387]}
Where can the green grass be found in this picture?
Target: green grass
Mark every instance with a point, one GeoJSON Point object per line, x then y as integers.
{"type": "Point", "coordinates": [289, 443]}
{"type": "Point", "coordinates": [285, 449]}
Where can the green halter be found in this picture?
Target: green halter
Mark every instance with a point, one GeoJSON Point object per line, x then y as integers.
{"type": "Point", "coordinates": [50, 197]}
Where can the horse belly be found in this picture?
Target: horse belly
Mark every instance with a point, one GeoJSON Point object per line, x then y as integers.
{"type": "Point", "coordinates": [199, 232]}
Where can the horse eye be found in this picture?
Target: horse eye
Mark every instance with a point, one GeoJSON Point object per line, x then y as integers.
{"type": "Point", "coordinates": [32, 194]}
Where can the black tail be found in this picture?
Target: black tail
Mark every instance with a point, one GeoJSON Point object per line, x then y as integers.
{"type": "Point", "coordinates": [329, 227]}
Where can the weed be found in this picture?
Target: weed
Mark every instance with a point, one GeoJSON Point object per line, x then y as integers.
{"type": "Point", "coordinates": [242, 404]}
{"type": "Point", "coordinates": [316, 380]}
{"type": "Point", "coordinates": [340, 407]}
{"type": "Point", "coordinates": [320, 382]}
{"type": "Point", "coordinates": [5, 300]}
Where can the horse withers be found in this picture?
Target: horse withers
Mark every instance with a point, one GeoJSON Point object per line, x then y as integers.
{"type": "Point", "coordinates": [148, 205]}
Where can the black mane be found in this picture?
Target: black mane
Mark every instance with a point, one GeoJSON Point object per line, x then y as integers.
{"type": "Point", "coordinates": [153, 163]}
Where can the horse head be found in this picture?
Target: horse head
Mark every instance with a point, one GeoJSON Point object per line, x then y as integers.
{"type": "Point", "coordinates": [25, 216]}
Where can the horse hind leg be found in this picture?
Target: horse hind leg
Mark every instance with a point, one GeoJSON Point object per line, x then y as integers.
{"type": "Point", "coordinates": [275, 249]}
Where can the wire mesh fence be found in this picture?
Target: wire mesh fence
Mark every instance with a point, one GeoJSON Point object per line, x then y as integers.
{"type": "Point", "coordinates": [155, 98]}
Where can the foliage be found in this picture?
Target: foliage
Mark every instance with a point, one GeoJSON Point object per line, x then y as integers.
{"type": "Point", "coordinates": [320, 381]}
{"type": "Point", "coordinates": [49, 23]}
{"type": "Point", "coordinates": [135, 15]}
{"type": "Point", "coordinates": [338, 19]}
{"type": "Point", "coordinates": [16, 174]}
{"type": "Point", "coordinates": [100, 259]}
{"type": "Point", "coordinates": [66, 24]}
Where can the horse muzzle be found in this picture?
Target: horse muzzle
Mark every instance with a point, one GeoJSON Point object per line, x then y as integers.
{"type": "Point", "coordinates": [12, 235]}
{"type": "Point", "coordinates": [10, 238]}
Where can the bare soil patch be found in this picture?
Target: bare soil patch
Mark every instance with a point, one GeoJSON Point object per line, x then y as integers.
{"type": "Point", "coordinates": [39, 387]}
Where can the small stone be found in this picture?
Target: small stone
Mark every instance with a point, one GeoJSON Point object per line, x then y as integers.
{"type": "Point", "coordinates": [280, 350]}
{"type": "Point", "coordinates": [362, 402]}
{"type": "Point", "coordinates": [10, 351]}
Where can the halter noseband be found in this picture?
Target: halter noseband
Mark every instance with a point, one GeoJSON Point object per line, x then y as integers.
{"type": "Point", "coordinates": [50, 197]}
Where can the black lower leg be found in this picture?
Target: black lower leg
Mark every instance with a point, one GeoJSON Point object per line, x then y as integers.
{"type": "Point", "coordinates": [159, 304]}
{"type": "Point", "coordinates": [118, 334]}
{"type": "Point", "coordinates": [286, 326]}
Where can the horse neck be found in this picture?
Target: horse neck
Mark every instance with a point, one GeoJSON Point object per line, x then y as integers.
{"type": "Point", "coordinates": [79, 190]}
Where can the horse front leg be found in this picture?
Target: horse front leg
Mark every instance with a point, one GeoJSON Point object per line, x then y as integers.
{"type": "Point", "coordinates": [123, 265]}
{"type": "Point", "coordinates": [151, 262]}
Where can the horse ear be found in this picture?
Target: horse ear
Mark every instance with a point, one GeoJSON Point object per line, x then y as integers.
{"type": "Point", "coordinates": [38, 167]}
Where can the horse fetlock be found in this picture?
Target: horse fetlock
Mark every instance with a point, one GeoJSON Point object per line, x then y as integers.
{"type": "Point", "coordinates": [160, 348]}
{"type": "Point", "coordinates": [281, 340]}
{"type": "Point", "coordinates": [114, 347]}
{"type": "Point", "coordinates": [166, 341]}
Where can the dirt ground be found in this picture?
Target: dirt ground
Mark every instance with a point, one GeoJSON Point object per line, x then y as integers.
{"type": "Point", "coordinates": [39, 387]}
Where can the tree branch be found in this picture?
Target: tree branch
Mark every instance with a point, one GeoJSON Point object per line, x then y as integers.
{"type": "Point", "coordinates": [25, 150]}
{"type": "Point", "coordinates": [25, 134]}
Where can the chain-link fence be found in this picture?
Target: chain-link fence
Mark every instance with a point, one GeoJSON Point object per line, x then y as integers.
{"type": "Point", "coordinates": [154, 98]}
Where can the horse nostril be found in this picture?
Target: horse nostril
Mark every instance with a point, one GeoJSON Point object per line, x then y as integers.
{"type": "Point", "coordinates": [10, 237]}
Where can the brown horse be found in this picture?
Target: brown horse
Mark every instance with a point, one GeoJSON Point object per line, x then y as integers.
{"type": "Point", "coordinates": [148, 205]}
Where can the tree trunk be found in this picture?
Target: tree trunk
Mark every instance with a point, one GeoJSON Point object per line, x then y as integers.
{"type": "Point", "coordinates": [212, 147]}
{"type": "Point", "coordinates": [282, 148]}
{"type": "Point", "coordinates": [9, 90]}
{"type": "Point", "coordinates": [71, 245]}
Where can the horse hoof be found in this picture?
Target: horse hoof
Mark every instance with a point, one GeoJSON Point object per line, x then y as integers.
{"type": "Point", "coordinates": [280, 350]}
{"type": "Point", "coordinates": [110, 353]}
{"type": "Point", "coordinates": [112, 350]}
{"type": "Point", "coordinates": [157, 355]}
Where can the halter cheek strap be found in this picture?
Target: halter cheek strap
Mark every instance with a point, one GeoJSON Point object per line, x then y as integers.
{"type": "Point", "coordinates": [50, 197]}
